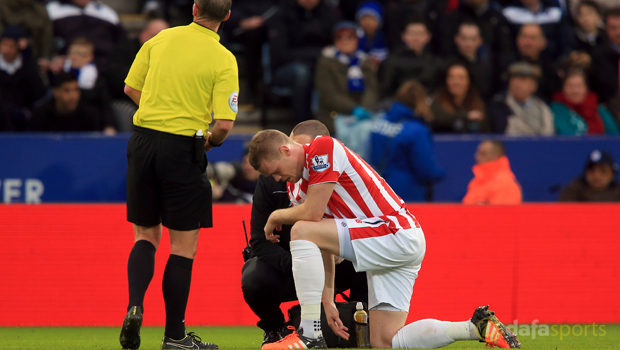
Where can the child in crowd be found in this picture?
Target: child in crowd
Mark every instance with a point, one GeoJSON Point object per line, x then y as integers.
{"type": "Point", "coordinates": [371, 40]}
{"type": "Point", "coordinates": [79, 61]}
{"type": "Point", "coordinates": [589, 32]}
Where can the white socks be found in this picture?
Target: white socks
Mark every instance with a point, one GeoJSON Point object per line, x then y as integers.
{"type": "Point", "coordinates": [309, 275]}
{"type": "Point", "coordinates": [430, 334]}
{"type": "Point", "coordinates": [465, 330]}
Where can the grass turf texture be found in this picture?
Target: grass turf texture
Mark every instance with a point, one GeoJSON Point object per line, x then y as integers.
{"type": "Point", "coordinates": [247, 338]}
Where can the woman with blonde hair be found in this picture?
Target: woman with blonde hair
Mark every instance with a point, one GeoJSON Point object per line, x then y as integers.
{"type": "Point", "coordinates": [402, 145]}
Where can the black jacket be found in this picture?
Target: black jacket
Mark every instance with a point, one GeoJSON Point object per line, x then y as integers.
{"type": "Point", "coordinates": [404, 64]}
{"type": "Point", "coordinates": [297, 35]}
{"type": "Point", "coordinates": [605, 60]}
{"type": "Point", "coordinates": [269, 196]}
{"type": "Point", "coordinates": [19, 92]}
{"type": "Point", "coordinates": [579, 191]}
{"type": "Point", "coordinates": [118, 67]}
{"type": "Point", "coordinates": [585, 45]}
{"type": "Point", "coordinates": [46, 118]}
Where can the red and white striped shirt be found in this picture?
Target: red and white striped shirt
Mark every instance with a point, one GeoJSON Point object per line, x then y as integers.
{"type": "Point", "coordinates": [359, 193]}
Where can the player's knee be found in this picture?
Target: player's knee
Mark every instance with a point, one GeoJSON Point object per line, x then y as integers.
{"type": "Point", "coordinates": [299, 231]}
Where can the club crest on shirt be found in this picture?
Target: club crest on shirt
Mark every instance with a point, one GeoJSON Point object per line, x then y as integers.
{"type": "Point", "coordinates": [320, 163]}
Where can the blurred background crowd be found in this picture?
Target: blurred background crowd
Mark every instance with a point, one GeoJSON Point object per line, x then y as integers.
{"type": "Point", "coordinates": [384, 76]}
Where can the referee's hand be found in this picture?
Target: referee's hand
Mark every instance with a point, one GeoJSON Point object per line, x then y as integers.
{"type": "Point", "coordinates": [208, 146]}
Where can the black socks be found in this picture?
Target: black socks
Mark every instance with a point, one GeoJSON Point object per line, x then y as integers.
{"type": "Point", "coordinates": [176, 283]}
{"type": "Point", "coordinates": [140, 269]}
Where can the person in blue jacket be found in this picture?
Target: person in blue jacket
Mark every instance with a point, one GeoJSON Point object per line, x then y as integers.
{"type": "Point", "coordinates": [402, 145]}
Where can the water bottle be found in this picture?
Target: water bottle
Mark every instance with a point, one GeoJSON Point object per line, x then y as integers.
{"type": "Point", "coordinates": [362, 331]}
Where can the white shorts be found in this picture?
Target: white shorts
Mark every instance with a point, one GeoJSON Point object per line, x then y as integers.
{"type": "Point", "coordinates": [390, 255]}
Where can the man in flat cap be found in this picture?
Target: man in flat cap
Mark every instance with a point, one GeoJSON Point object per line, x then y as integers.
{"type": "Point", "coordinates": [519, 111]}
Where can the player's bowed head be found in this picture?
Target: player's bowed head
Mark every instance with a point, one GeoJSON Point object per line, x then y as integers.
{"type": "Point", "coordinates": [272, 153]}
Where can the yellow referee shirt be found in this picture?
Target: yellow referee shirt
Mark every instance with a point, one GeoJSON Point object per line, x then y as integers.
{"type": "Point", "coordinates": [185, 75]}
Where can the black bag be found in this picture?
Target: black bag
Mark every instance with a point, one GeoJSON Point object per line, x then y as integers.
{"type": "Point", "coordinates": [346, 311]}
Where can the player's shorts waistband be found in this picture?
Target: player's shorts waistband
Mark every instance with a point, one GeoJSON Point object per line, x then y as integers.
{"type": "Point", "coordinates": [161, 134]}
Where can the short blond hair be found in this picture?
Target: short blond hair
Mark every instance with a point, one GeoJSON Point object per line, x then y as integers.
{"type": "Point", "coordinates": [265, 145]}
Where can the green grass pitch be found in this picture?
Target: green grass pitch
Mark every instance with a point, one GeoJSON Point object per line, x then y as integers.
{"type": "Point", "coordinates": [250, 338]}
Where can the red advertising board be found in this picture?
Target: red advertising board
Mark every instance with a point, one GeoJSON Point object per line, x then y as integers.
{"type": "Point", "coordinates": [65, 265]}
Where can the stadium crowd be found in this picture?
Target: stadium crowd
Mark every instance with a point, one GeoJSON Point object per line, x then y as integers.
{"type": "Point", "coordinates": [377, 73]}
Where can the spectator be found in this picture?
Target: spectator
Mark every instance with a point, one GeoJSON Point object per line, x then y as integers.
{"type": "Point", "coordinates": [597, 183]}
{"type": "Point", "coordinates": [399, 12]}
{"type": "Point", "coordinates": [497, 39]}
{"type": "Point", "coordinates": [457, 106]}
{"type": "Point", "coordinates": [470, 52]}
{"type": "Point", "coordinates": [577, 111]}
{"type": "Point", "coordinates": [372, 42]}
{"type": "Point", "coordinates": [493, 182]}
{"type": "Point", "coordinates": [32, 16]}
{"type": "Point", "coordinates": [297, 34]}
{"type": "Point", "coordinates": [65, 110]}
{"type": "Point", "coordinates": [91, 19]}
{"type": "Point", "coordinates": [589, 32]}
{"type": "Point", "coordinates": [549, 16]}
{"type": "Point", "coordinates": [247, 26]}
{"type": "Point", "coordinates": [402, 145]}
{"type": "Point", "coordinates": [414, 61]}
{"type": "Point", "coordinates": [20, 83]}
{"type": "Point", "coordinates": [80, 57]}
{"type": "Point", "coordinates": [518, 112]}
{"type": "Point", "coordinates": [604, 5]}
{"type": "Point", "coordinates": [531, 43]}
{"type": "Point", "coordinates": [79, 61]}
{"type": "Point", "coordinates": [236, 181]}
{"type": "Point", "coordinates": [605, 59]}
{"type": "Point", "coordinates": [345, 80]}
{"type": "Point", "coordinates": [118, 68]}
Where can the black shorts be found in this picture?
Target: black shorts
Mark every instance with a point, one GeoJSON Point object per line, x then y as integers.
{"type": "Point", "coordinates": [164, 183]}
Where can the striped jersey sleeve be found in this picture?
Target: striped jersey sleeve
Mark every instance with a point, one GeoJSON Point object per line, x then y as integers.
{"type": "Point", "coordinates": [359, 191]}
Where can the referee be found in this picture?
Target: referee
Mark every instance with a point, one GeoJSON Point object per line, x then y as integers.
{"type": "Point", "coordinates": [179, 79]}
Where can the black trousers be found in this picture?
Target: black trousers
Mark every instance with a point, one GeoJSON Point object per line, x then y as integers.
{"type": "Point", "coordinates": [265, 288]}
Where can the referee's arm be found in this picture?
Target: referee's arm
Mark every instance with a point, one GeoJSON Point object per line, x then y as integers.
{"type": "Point", "coordinates": [225, 103]}
{"type": "Point", "coordinates": [221, 129]}
{"type": "Point", "coordinates": [133, 94]}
